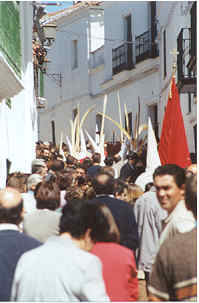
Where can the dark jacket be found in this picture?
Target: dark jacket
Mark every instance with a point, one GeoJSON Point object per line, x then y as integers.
{"type": "Point", "coordinates": [125, 219]}
{"type": "Point", "coordinates": [12, 245]}
{"type": "Point", "coordinates": [129, 171]}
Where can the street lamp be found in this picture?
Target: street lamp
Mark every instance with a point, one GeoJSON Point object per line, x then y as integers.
{"type": "Point", "coordinates": [49, 33]}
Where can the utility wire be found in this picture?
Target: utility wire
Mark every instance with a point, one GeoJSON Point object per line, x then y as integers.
{"type": "Point", "coordinates": [105, 39]}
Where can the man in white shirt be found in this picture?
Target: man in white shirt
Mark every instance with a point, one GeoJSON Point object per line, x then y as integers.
{"type": "Point", "coordinates": [169, 181]}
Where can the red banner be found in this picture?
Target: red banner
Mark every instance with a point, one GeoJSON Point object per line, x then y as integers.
{"type": "Point", "coordinates": [173, 147]}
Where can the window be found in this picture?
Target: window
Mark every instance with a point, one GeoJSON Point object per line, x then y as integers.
{"type": "Point", "coordinates": [41, 76]}
{"type": "Point", "coordinates": [189, 103]}
{"type": "Point", "coordinates": [153, 114]}
{"type": "Point", "coordinates": [53, 132]}
{"type": "Point", "coordinates": [74, 54]}
{"type": "Point", "coordinates": [164, 50]}
{"type": "Point", "coordinates": [128, 37]}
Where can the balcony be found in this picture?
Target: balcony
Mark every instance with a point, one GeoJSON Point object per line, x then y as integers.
{"type": "Point", "coordinates": [10, 43]}
{"type": "Point", "coordinates": [185, 62]}
{"type": "Point", "coordinates": [145, 48]}
{"type": "Point", "coordinates": [122, 58]}
{"type": "Point", "coordinates": [97, 57]}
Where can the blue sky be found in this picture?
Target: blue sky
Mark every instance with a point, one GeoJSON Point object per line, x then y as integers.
{"type": "Point", "coordinates": [54, 8]}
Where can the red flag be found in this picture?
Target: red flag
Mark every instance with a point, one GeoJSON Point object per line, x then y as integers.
{"type": "Point", "coordinates": [173, 147]}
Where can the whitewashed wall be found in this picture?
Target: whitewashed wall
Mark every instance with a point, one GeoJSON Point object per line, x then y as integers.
{"type": "Point", "coordinates": [86, 86]}
{"type": "Point", "coordinates": [20, 122]}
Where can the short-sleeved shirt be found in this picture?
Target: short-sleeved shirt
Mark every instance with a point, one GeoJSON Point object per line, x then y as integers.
{"type": "Point", "coordinates": [174, 273]}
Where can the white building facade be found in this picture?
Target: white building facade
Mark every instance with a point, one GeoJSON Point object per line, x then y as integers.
{"type": "Point", "coordinates": [109, 48]}
{"type": "Point", "coordinates": [18, 114]}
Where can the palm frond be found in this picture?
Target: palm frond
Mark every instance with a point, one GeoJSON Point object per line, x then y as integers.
{"type": "Point", "coordinates": [116, 124]}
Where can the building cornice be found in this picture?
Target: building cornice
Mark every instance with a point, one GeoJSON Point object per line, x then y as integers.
{"type": "Point", "coordinates": [142, 70]}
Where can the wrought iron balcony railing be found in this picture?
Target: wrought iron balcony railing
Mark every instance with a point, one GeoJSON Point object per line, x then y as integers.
{"type": "Point", "coordinates": [144, 47]}
{"type": "Point", "coordinates": [10, 43]}
{"type": "Point", "coordinates": [186, 75]}
{"type": "Point", "coordinates": [122, 58]}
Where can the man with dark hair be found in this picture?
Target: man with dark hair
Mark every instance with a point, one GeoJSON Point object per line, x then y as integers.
{"type": "Point", "coordinates": [122, 212]}
{"type": "Point", "coordinates": [62, 269]}
{"type": "Point", "coordinates": [94, 169]}
{"type": "Point", "coordinates": [56, 165]}
{"type": "Point", "coordinates": [13, 243]}
{"type": "Point", "coordinates": [129, 170]}
{"type": "Point", "coordinates": [169, 181]}
{"type": "Point", "coordinates": [174, 273]}
{"type": "Point", "coordinates": [44, 221]}
{"type": "Point", "coordinates": [39, 167]}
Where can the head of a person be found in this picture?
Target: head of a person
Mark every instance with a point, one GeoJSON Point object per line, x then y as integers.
{"type": "Point", "coordinates": [56, 165]}
{"type": "Point", "coordinates": [33, 180]}
{"type": "Point", "coordinates": [133, 158]}
{"type": "Point", "coordinates": [11, 206]}
{"type": "Point", "coordinates": [191, 170]}
{"type": "Point", "coordinates": [47, 195]}
{"type": "Point", "coordinates": [108, 161]}
{"type": "Point", "coordinates": [148, 186]}
{"type": "Point", "coordinates": [86, 222]}
{"type": "Point", "coordinates": [87, 163]}
{"type": "Point", "coordinates": [96, 158]}
{"type": "Point", "coordinates": [18, 181]}
{"type": "Point", "coordinates": [117, 158]}
{"type": "Point", "coordinates": [133, 193]}
{"type": "Point", "coordinates": [80, 172]}
{"type": "Point", "coordinates": [45, 154]}
{"type": "Point", "coordinates": [109, 170]}
{"type": "Point", "coordinates": [71, 161]}
{"type": "Point", "coordinates": [39, 167]}
{"type": "Point", "coordinates": [74, 193]}
{"type": "Point", "coordinates": [120, 190]}
{"type": "Point", "coordinates": [169, 181]}
{"type": "Point", "coordinates": [103, 183]}
{"type": "Point", "coordinates": [191, 194]}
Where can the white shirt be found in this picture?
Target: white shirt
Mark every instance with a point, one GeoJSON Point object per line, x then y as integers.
{"type": "Point", "coordinates": [180, 220]}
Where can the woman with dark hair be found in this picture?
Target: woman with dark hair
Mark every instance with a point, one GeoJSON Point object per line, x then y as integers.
{"type": "Point", "coordinates": [44, 222]}
{"type": "Point", "coordinates": [119, 268]}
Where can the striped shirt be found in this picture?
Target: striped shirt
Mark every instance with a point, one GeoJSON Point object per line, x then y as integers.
{"type": "Point", "coordinates": [174, 273]}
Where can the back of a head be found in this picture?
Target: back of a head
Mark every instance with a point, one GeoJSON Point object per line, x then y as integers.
{"type": "Point", "coordinates": [87, 163]}
{"type": "Point", "coordinates": [77, 217]}
{"type": "Point", "coordinates": [109, 170]}
{"type": "Point", "coordinates": [119, 186]}
{"type": "Point", "coordinates": [80, 215]}
{"type": "Point", "coordinates": [103, 183]}
{"type": "Point", "coordinates": [11, 206]}
{"type": "Point", "coordinates": [18, 181]}
{"type": "Point", "coordinates": [56, 165]}
{"type": "Point", "coordinates": [64, 179]}
{"type": "Point", "coordinates": [174, 170]}
{"type": "Point", "coordinates": [134, 192]}
{"type": "Point", "coordinates": [191, 194]}
{"type": "Point", "coordinates": [47, 195]}
{"type": "Point", "coordinates": [117, 158]}
{"type": "Point", "coordinates": [37, 166]}
{"type": "Point", "coordinates": [96, 158]}
{"type": "Point", "coordinates": [108, 161]}
{"type": "Point", "coordinates": [74, 193]}
{"type": "Point", "coordinates": [33, 180]}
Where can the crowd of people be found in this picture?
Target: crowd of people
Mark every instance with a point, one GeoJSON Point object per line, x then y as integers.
{"type": "Point", "coordinates": [80, 230]}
